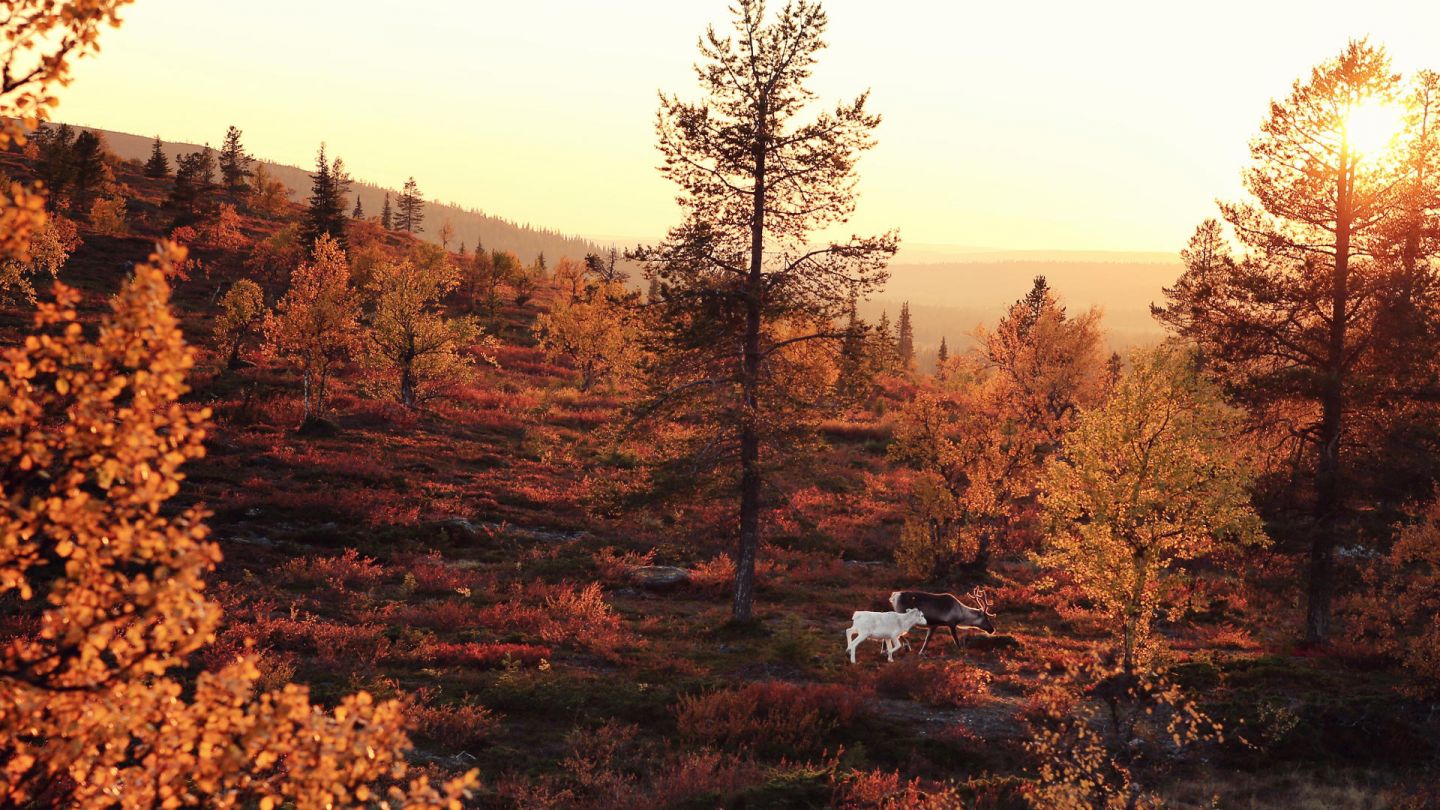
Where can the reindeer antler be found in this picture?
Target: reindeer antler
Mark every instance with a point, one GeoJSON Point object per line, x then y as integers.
{"type": "Point", "coordinates": [983, 600]}
{"type": "Point", "coordinates": [974, 593]}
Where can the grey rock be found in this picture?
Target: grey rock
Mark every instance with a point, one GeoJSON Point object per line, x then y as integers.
{"type": "Point", "coordinates": [461, 529]}
{"type": "Point", "coordinates": [658, 577]}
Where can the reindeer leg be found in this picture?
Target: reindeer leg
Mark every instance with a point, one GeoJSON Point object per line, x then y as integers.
{"type": "Point", "coordinates": [928, 631]}
{"type": "Point", "coordinates": [956, 637]}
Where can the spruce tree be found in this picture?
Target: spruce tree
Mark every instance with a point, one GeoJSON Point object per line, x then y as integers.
{"type": "Point", "coordinates": [326, 214]}
{"type": "Point", "coordinates": [905, 341]}
{"type": "Point", "coordinates": [882, 344]}
{"type": "Point", "coordinates": [940, 358]}
{"type": "Point", "coordinates": [412, 208]}
{"type": "Point", "coordinates": [386, 220]}
{"type": "Point", "coordinates": [853, 379]}
{"type": "Point", "coordinates": [358, 212]}
{"type": "Point", "coordinates": [56, 166]}
{"type": "Point", "coordinates": [234, 163]}
{"type": "Point", "coordinates": [90, 171]}
{"type": "Point", "coordinates": [158, 165]}
{"type": "Point", "coordinates": [194, 180]}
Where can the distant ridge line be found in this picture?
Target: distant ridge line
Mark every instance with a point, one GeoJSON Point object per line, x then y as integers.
{"type": "Point", "coordinates": [494, 232]}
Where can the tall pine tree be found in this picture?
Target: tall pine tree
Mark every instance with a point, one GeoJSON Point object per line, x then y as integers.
{"type": "Point", "coordinates": [234, 163]}
{"type": "Point", "coordinates": [386, 217]}
{"type": "Point", "coordinates": [751, 295]}
{"type": "Point", "coordinates": [1292, 322]}
{"type": "Point", "coordinates": [412, 208]}
{"type": "Point", "coordinates": [358, 212]}
{"type": "Point", "coordinates": [905, 341]}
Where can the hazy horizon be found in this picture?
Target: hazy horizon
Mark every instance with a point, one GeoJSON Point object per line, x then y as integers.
{"type": "Point", "coordinates": [1106, 131]}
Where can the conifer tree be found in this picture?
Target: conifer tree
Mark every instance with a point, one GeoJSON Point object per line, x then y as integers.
{"type": "Point", "coordinates": [905, 339]}
{"type": "Point", "coordinates": [194, 181]}
{"type": "Point", "coordinates": [941, 356]}
{"type": "Point", "coordinates": [1295, 322]}
{"type": "Point", "coordinates": [56, 166]}
{"type": "Point", "coordinates": [750, 297]}
{"type": "Point", "coordinates": [412, 208]}
{"type": "Point", "coordinates": [358, 212]}
{"type": "Point", "coordinates": [326, 214]}
{"type": "Point", "coordinates": [386, 220]}
{"type": "Point", "coordinates": [855, 371]}
{"type": "Point", "coordinates": [90, 171]}
{"type": "Point", "coordinates": [234, 162]}
{"type": "Point", "coordinates": [881, 346]}
{"type": "Point", "coordinates": [158, 165]}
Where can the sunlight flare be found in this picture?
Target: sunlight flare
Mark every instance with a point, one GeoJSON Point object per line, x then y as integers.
{"type": "Point", "coordinates": [1373, 126]}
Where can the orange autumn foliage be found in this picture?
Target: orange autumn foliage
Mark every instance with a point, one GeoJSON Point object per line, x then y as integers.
{"type": "Point", "coordinates": [92, 710]}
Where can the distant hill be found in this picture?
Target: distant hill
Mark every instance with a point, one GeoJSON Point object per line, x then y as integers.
{"type": "Point", "coordinates": [951, 298]}
{"type": "Point", "coordinates": [471, 226]}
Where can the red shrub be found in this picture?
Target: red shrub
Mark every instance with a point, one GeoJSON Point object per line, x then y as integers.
{"type": "Point", "coordinates": [716, 576]}
{"type": "Point", "coordinates": [443, 615]}
{"type": "Point", "coordinates": [697, 776]}
{"type": "Point", "coordinates": [434, 575]}
{"type": "Point", "coordinates": [456, 727]}
{"type": "Point", "coordinates": [561, 614]}
{"type": "Point", "coordinates": [885, 790]}
{"type": "Point", "coordinates": [614, 567]}
{"type": "Point", "coordinates": [773, 717]}
{"type": "Point", "coordinates": [476, 655]}
{"type": "Point", "coordinates": [349, 569]}
{"type": "Point", "coordinates": [332, 644]}
{"type": "Point", "coordinates": [934, 683]}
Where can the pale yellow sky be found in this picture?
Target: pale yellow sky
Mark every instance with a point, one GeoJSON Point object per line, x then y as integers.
{"type": "Point", "coordinates": [1019, 125]}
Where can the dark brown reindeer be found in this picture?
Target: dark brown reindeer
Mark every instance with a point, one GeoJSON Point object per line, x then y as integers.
{"type": "Point", "coordinates": [943, 609]}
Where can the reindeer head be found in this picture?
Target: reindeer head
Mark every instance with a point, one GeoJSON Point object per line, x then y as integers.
{"type": "Point", "coordinates": [982, 602]}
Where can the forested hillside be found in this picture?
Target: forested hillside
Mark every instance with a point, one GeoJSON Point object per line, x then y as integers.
{"type": "Point", "coordinates": [301, 507]}
{"type": "Point", "coordinates": [472, 227]}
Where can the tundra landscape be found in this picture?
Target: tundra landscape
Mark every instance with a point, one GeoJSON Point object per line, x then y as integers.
{"type": "Point", "coordinates": [319, 492]}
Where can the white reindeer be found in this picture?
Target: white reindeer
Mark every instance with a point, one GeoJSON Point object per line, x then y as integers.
{"type": "Point", "coordinates": [888, 627]}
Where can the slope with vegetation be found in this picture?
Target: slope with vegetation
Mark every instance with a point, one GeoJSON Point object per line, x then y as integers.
{"type": "Point", "coordinates": [469, 522]}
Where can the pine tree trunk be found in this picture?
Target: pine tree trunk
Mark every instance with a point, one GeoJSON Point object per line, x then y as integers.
{"type": "Point", "coordinates": [750, 384]}
{"type": "Point", "coordinates": [1328, 471]}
